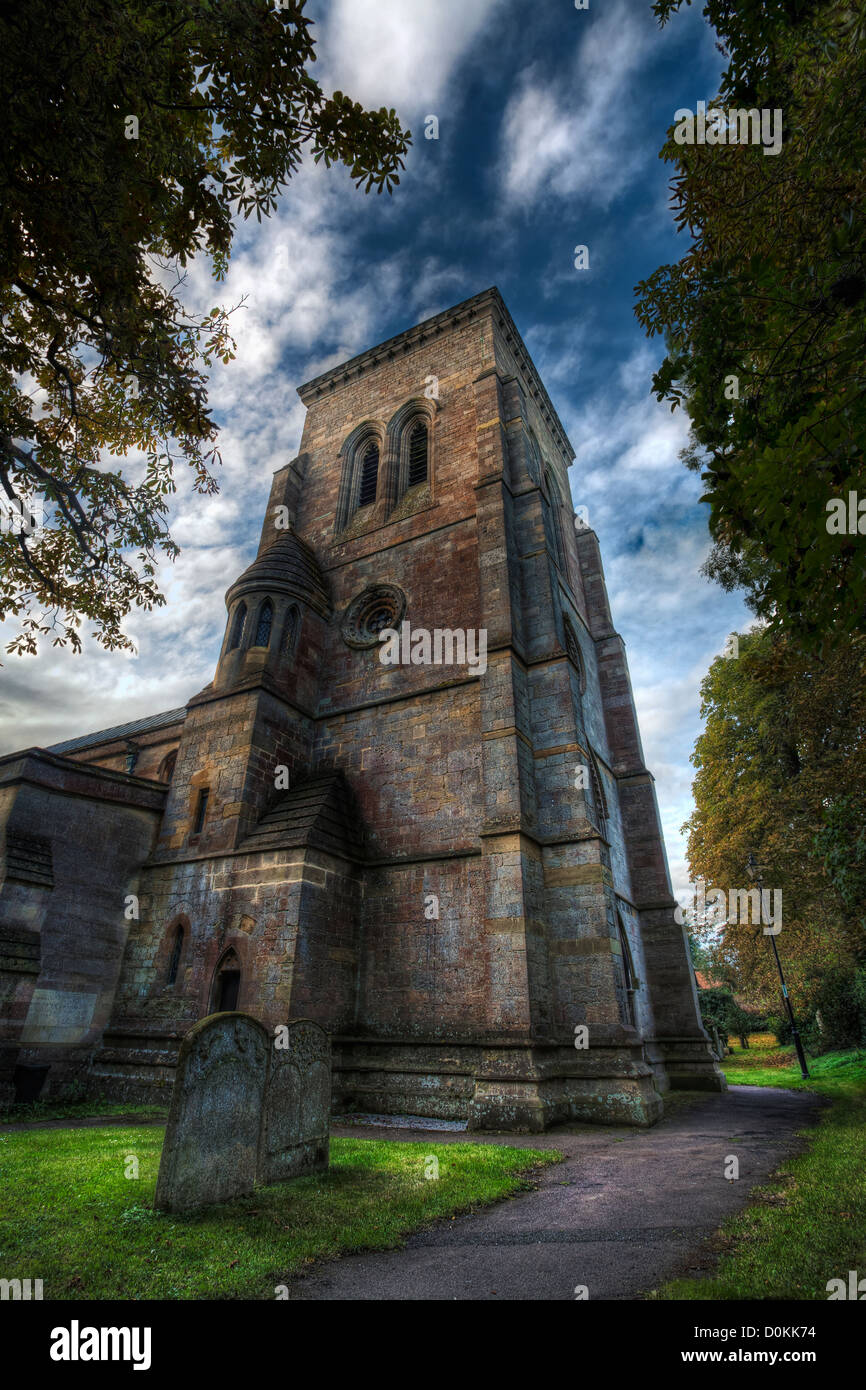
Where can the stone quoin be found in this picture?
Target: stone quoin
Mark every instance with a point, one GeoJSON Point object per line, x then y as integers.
{"type": "Point", "coordinates": [162, 871]}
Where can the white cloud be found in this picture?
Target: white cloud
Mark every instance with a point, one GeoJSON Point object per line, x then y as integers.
{"type": "Point", "coordinates": [399, 53]}
{"type": "Point", "coordinates": [578, 135]}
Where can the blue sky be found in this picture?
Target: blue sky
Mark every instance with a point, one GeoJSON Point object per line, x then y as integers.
{"type": "Point", "coordinates": [550, 122]}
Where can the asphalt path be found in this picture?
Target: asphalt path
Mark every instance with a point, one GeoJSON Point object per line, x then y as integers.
{"type": "Point", "coordinates": [626, 1210]}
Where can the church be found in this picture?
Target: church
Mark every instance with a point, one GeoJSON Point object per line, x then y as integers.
{"type": "Point", "coordinates": [456, 867]}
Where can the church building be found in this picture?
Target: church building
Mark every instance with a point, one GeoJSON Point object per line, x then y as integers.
{"type": "Point", "coordinates": [450, 859]}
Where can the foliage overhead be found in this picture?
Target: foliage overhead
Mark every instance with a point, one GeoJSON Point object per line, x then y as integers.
{"type": "Point", "coordinates": [134, 134]}
{"type": "Point", "coordinates": [772, 293]}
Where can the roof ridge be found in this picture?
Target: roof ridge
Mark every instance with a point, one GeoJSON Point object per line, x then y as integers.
{"type": "Point", "coordinates": [153, 721]}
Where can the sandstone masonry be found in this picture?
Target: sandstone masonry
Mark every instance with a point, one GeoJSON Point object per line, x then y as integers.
{"type": "Point", "coordinates": [450, 869]}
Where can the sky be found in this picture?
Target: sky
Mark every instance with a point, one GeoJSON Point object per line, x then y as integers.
{"type": "Point", "coordinates": [550, 120]}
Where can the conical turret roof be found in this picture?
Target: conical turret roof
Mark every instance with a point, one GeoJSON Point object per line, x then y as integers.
{"type": "Point", "coordinates": [289, 566]}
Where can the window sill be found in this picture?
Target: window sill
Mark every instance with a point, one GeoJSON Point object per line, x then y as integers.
{"type": "Point", "coordinates": [355, 532]}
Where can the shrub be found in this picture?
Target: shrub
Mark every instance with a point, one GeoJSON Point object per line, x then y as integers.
{"type": "Point", "coordinates": [718, 1006]}
{"type": "Point", "coordinates": [834, 1014]}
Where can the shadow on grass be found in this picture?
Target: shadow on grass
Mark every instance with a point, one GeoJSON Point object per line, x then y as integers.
{"type": "Point", "coordinates": [77, 1222]}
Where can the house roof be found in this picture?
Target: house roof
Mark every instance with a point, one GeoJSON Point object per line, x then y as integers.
{"type": "Point", "coordinates": [706, 981]}
{"type": "Point", "coordinates": [137, 726]}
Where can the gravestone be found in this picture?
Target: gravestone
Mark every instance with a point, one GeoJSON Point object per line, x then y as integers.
{"type": "Point", "coordinates": [297, 1103]}
{"type": "Point", "coordinates": [212, 1138]}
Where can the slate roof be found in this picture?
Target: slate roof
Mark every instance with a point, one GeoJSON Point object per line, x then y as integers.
{"type": "Point", "coordinates": [318, 812]}
{"type": "Point", "coordinates": [138, 726]}
{"type": "Point", "coordinates": [288, 566]}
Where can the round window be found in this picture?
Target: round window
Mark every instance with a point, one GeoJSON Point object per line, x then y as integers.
{"type": "Point", "coordinates": [375, 608]}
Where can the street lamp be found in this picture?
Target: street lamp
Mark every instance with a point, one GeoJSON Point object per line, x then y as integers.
{"type": "Point", "coordinates": [755, 873]}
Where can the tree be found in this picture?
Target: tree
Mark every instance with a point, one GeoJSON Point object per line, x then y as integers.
{"type": "Point", "coordinates": [841, 843]}
{"type": "Point", "coordinates": [764, 316]}
{"type": "Point", "coordinates": [698, 950]}
{"type": "Point", "coordinates": [719, 1006]}
{"type": "Point", "coordinates": [134, 133]}
{"type": "Point", "coordinates": [782, 753]}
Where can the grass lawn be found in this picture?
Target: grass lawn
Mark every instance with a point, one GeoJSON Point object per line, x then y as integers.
{"type": "Point", "coordinates": [75, 1110]}
{"type": "Point", "coordinates": [809, 1224]}
{"type": "Point", "coordinates": [71, 1218]}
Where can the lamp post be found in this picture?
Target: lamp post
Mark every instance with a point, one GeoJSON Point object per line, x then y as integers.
{"type": "Point", "coordinates": [755, 873]}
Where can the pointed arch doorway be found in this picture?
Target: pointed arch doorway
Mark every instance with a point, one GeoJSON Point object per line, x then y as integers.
{"type": "Point", "coordinates": [226, 984]}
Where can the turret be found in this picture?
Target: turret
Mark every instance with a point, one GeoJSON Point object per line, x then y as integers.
{"type": "Point", "coordinates": [269, 606]}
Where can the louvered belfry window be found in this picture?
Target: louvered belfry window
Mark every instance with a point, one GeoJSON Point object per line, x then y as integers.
{"type": "Point", "coordinates": [417, 455]}
{"type": "Point", "coordinates": [369, 475]}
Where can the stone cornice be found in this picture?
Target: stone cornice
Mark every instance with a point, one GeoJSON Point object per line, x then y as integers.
{"type": "Point", "coordinates": [491, 299]}
{"type": "Point", "coordinates": [73, 778]}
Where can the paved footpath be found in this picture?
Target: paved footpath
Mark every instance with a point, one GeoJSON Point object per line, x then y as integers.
{"type": "Point", "coordinates": [625, 1211]}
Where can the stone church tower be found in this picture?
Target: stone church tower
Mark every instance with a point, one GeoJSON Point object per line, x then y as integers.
{"type": "Point", "coordinates": [451, 860]}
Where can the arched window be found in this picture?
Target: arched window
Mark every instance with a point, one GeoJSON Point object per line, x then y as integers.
{"type": "Point", "coordinates": [369, 474]}
{"type": "Point", "coordinates": [263, 626]}
{"type": "Point", "coordinates": [556, 522]}
{"type": "Point", "coordinates": [598, 794]}
{"type": "Point", "coordinates": [290, 631]}
{"type": "Point", "coordinates": [416, 469]}
{"type": "Point", "coordinates": [238, 626]}
{"type": "Point", "coordinates": [626, 982]}
{"type": "Point", "coordinates": [166, 767]}
{"type": "Point", "coordinates": [360, 487]}
{"type": "Point", "coordinates": [175, 955]}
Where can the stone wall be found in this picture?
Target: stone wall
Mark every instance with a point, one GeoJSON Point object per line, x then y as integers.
{"type": "Point", "coordinates": [75, 838]}
{"type": "Point", "coordinates": [501, 879]}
